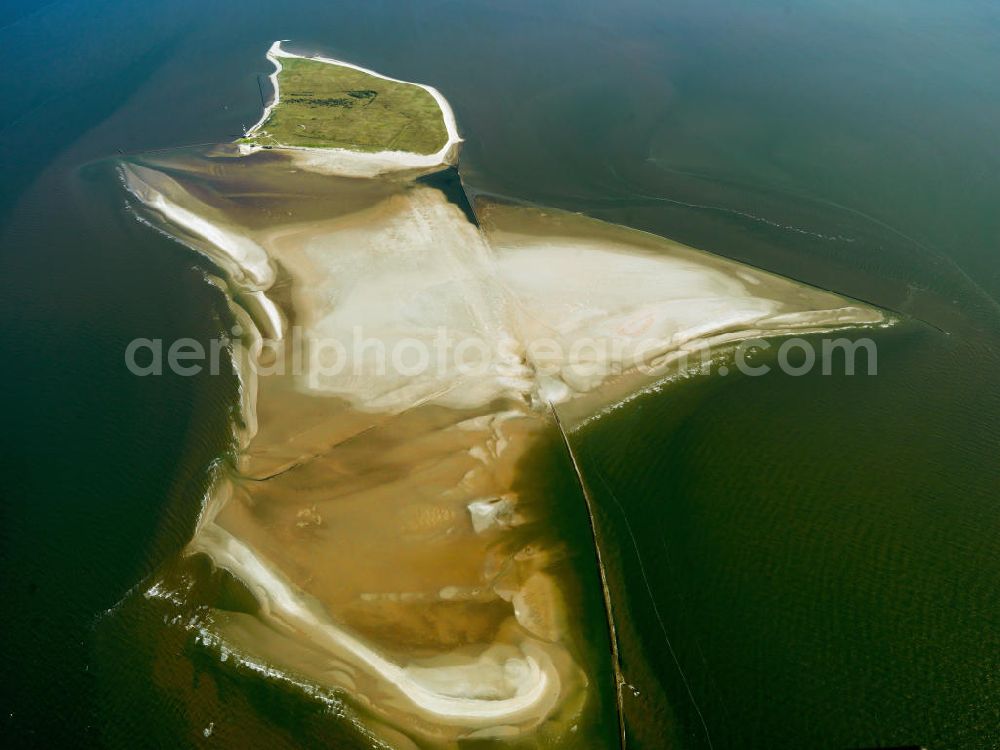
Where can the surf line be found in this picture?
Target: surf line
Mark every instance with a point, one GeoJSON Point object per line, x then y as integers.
{"type": "Point", "coordinates": [612, 631]}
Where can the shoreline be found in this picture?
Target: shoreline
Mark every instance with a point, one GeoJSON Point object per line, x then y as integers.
{"type": "Point", "coordinates": [536, 683]}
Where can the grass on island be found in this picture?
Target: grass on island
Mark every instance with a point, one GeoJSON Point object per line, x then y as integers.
{"type": "Point", "coordinates": [330, 106]}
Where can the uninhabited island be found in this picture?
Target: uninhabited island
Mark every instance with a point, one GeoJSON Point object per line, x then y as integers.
{"type": "Point", "coordinates": [409, 528]}
{"type": "Point", "coordinates": [320, 103]}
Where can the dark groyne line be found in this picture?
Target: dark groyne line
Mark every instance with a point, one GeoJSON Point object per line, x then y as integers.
{"type": "Point", "coordinates": [612, 631]}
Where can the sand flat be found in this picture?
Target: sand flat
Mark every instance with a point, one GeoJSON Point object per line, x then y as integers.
{"type": "Point", "coordinates": [381, 514]}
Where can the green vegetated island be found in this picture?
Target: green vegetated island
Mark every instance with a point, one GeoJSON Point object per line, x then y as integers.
{"type": "Point", "coordinates": [324, 104]}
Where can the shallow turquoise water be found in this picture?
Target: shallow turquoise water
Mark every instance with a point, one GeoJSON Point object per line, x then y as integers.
{"type": "Point", "coordinates": [820, 552]}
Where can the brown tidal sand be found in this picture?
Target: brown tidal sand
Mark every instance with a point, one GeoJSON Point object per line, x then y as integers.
{"type": "Point", "coordinates": [382, 517]}
{"type": "Point", "coordinates": [399, 527]}
{"type": "Point", "coordinates": [417, 475]}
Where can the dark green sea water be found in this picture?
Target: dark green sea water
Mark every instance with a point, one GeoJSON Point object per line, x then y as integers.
{"type": "Point", "coordinates": [798, 562]}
